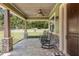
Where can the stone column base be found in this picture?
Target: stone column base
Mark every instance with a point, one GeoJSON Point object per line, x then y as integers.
{"type": "Point", "coordinates": [7, 45]}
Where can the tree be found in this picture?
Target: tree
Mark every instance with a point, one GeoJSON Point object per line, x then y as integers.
{"type": "Point", "coordinates": [16, 23]}
{"type": "Point", "coordinates": [38, 24]}
{"type": "Point", "coordinates": [1, 21]}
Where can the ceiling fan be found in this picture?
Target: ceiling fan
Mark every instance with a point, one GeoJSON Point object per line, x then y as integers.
{"type": "Point", "coordinates": [40, 12]}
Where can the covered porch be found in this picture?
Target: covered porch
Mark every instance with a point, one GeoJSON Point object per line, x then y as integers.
{"type": "Point", "coordinates": [57, 15]}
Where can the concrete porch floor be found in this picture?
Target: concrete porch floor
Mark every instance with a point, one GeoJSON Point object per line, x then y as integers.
{"type": "Point", "coordinates": [30, 47]}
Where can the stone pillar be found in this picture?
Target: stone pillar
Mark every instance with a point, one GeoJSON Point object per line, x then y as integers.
{"type": "Point", "coordinates": [7, 41]}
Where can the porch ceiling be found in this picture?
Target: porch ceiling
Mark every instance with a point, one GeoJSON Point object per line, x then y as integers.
{"type": "Point", "coordinates": [31, 10]}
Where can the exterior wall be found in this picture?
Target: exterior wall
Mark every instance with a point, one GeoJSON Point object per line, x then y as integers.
{"type": "Point", "coordinates": [61, 26]}
{"type": "Point", "coordinates": [55, 22]}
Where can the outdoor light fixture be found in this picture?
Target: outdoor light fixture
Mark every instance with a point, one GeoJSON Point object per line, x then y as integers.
{"type": "Point", "coordinates": [57, 17]}
{"type": "Point", "coordinates": [52, 18]}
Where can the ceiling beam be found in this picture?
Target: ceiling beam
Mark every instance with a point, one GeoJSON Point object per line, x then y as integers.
{"type": "Point", "coordinates": [37, 20]}
{"type": "Point", "coordinates": [15, 10]}
{"type": "Point", "coordinates": [42, 17]}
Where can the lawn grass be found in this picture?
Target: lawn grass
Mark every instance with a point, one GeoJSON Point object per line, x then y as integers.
{"type": "Point", "coordinates": [1, 37]}
{"type": "Point", "coordinates": [17, 36]}
{"type": "Point", "coordinates": [34, 33]}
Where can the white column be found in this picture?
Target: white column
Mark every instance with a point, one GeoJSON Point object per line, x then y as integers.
{"type": "Point", "coordinates": [61, 18]}
{"type": "Point", "coordinates": [65, 28]}
{"type": "Point", "coordinates": [25, 30]}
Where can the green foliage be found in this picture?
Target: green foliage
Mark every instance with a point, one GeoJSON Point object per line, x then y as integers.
{"type": "Point", "coordinates": [38, 24]}
{"type": "Point", "coordinates": [1, 21]}
{"type": "Point", "coordinates": [17, 23]}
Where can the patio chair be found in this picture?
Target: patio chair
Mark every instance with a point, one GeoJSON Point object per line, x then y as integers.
{"type": "Point", "coordinates": [48, 41]}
